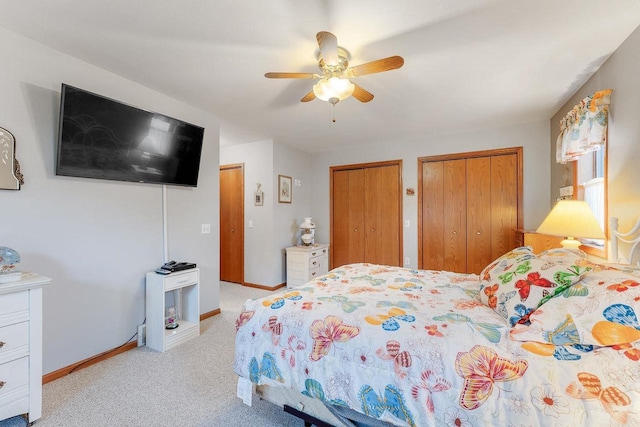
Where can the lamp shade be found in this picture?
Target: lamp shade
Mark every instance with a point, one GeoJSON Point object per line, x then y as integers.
{"type": "Point", "coordinates": [333, 87]}
{"type": "Point", "coordinates": [571, 218]}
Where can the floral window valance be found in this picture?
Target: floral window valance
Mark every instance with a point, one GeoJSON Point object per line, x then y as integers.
{"type": "Point", "coordinates": [584, 128]}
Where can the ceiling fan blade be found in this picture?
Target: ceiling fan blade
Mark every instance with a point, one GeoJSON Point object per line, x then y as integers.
{"type": "Point", "coordinates": [290, 75]}
{"type": "Point", "coordinates": [385, 64]}
{"type": "Point", "coordinates": [360, 94]}
{"type": "Point", "coordinates": [308, 97]}
{"type": "Point", "coordinates": [328, 44]}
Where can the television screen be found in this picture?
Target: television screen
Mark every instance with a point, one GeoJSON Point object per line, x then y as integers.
{"type": "Point", "coordinates": [102, 138]}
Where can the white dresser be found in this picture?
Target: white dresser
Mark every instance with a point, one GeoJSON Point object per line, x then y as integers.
{"type": "Point", "coordinates": [21, 347]}
{"type": "Point", "coordinates": [305, 263]}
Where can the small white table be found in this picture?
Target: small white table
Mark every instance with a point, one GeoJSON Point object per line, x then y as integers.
{"type": "Point", "coordinates": [185, 287]}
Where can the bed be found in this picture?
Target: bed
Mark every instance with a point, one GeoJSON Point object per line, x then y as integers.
{"type": "Point", "coordinates": [534, 340]}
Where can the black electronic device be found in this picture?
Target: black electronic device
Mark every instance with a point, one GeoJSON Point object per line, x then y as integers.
{"type": "Point", "coordinates": [101, 138]}
{"type": "Point", "coordinates": [173, 266]}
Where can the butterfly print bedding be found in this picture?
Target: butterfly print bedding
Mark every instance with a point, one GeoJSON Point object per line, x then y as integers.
{"type": "Point", "coordinates": [434, 348]}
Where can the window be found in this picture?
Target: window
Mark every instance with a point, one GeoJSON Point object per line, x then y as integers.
{"type": "Point", "coordinates": [590, 185]}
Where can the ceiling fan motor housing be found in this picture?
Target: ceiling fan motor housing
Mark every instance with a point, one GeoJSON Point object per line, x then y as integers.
{"type": "Point", "coordinates": [338, 69]}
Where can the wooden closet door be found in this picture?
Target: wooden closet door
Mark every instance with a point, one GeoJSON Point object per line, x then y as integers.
{"type": "Point", "coordinates": [382, 215]}
{"type": "Point", "coordinates": [470, 205]}
{"type": "Point", "coordinates": [432, 210]}
{"type": "Point", "coordinates": [455, 216]}
{"type": "Point", "coordinates": [347, 243]}
{"type": "Point", "coordinates": [479, 233]}
{"type": "Point", "coordinates": [232, 223]}
{"type": "Point", "coordinates": [504, 204]}
{"type": "Point", "coordinates": [444, 216]}
{"type": "Point", "coordinates": [366, 213]}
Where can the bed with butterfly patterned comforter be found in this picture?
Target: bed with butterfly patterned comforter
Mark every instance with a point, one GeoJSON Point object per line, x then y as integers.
{"type": "Point", "coordinates": [532, 341]}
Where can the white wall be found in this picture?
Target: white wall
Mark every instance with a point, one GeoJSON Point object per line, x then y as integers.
{"type": "Point", "coordinates": [620, 73]}
{"type": "Point", "coordinates": [288, 216]}
{"type": "Point", "coordinates": [257, 158]}
{"type": "Point", "coordinates": [275, 225]}
{"type": "Point", "coordinates": [533, 137]}
{"type": "Point", "coordinates": [96, 239]}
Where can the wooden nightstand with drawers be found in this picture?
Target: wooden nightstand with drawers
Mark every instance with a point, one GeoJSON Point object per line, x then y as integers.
{"type": "Point", "coordinates": [538, 242]}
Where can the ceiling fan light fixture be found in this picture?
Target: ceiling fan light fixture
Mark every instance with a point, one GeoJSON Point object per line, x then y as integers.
{"type": "Point", "coordinates": [328, 89]}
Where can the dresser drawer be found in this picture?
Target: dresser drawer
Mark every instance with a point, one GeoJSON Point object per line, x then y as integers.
{"type": "Point", "coordinates": [14, 376]}
{"type": "Point", "coordinates": [318, 253]}
{"type": "Point", "coordinates": [14, 302]}
{"type": "Point", "coordinates": [14, 341]}
{"type": "Point", "coordinates": [178, 280]}
{"type": "Point", "coordinates": [316, 272]}
{"type": "Point", "coordinates": [316, 262]}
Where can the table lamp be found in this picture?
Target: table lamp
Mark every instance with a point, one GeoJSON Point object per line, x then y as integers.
{"type": "Point", "coordinates": [571, 219]}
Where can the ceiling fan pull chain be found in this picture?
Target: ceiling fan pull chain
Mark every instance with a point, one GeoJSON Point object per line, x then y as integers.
{"type": "Point", "coordinates": [333, 102]}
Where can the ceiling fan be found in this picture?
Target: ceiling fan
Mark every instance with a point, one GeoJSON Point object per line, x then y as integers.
{"type": "Point", "coordinates": [334, 82]}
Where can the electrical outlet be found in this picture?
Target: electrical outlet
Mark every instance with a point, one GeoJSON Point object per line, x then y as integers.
{"type": "Point", "coordinates": [407, 261]}
{"type": "Point", "coordinates": [206, 228]}
{"type": "Point", "coordinates": [142, 335]}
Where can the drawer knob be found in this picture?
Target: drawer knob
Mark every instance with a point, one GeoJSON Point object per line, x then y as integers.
{"type": "Point", "coordinates": [2, 383]}
{"type": "Point", "coordinates": [1, 344]}
{"type": "Point", "coordinates": [313, 254]}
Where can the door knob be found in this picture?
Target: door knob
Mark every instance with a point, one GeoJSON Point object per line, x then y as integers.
{"type": "Point", "coordinates": [478, 233]}
{"type": "Point", "coordinates": [355, 229]}
{"type": "Point", "coordinates": [233, 230]}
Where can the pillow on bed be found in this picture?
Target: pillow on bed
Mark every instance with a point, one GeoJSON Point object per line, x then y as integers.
{"type": "Point", "coordinates": [518, 282]}
{"type": "Point", "coordinates": [602, 309]}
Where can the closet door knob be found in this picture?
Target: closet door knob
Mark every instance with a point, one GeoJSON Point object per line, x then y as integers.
{"type": "Point", "coordinates": [455, 232]}
{"type": "Point", "coordinates": [478, 233]}
{"type": "Point", "coordinates": [372, 230]}
{"type": "Point", "coordinates": [355, 229]}
{"type": "Point", "coordinates": [233, 230]}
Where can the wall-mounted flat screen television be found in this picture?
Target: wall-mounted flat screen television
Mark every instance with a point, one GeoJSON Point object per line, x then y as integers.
{"type": "Point", "coordinates": [101, 138]}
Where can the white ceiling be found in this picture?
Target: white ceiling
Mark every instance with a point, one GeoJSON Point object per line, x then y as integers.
{"type": "Point", "coordinates": [469, 64]}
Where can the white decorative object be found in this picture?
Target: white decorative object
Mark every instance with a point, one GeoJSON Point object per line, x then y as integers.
{"type": "Point", "coordinates": [9, 259]}
{"type": "Point", "coordinates": [307, 232]}
{"type": "Point", "coordinates": [258, 196]}
{"type": "Point", "coordinates": [10, 176]}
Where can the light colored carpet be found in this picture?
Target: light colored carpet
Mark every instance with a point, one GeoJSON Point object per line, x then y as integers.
{"type": "Point", "coordinates": [190, 385]}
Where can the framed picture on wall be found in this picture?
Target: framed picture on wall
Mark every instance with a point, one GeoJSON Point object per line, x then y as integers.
{"type": "Point", "coordinates": [284, 189]}
{"type": "Point", "coordinates": [258, 196]}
